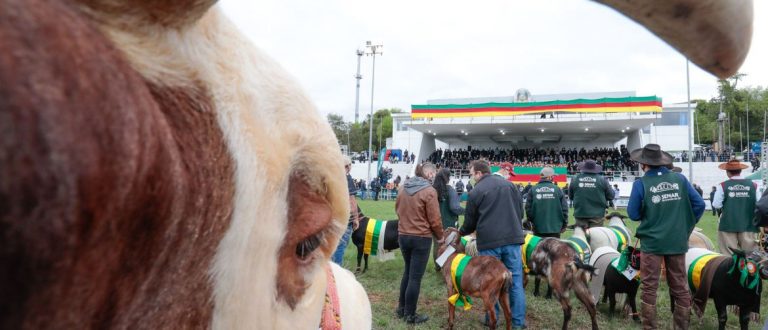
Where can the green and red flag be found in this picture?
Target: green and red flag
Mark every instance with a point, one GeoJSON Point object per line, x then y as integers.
{"type": "Point", "coordinates": [523, 175]}
{"type": "Point", "coordinates": [601, 105]}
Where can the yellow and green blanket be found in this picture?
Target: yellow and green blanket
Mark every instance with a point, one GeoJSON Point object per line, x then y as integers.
{"type": "Point", "coordinates": [696, 267]}
{"type": "Point", "coordinates": [529, 245]}
{"type": "Point", "coordinates": [374, 237]}
{"type": "Point", "coordinates": [621, 236]}
{"type": "Point", "coordinates": [459, 299]}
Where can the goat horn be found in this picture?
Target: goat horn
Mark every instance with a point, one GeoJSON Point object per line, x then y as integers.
{"type": "Point", "coordinates": [713, 34]}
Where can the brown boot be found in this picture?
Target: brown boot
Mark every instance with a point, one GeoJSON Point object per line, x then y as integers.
{"type": "Point", "coordinates": [681, 317]}
{"type": "Point", "coordinates": [648, 316]}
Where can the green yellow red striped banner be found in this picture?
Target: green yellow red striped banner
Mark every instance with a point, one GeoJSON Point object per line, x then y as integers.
{"type": "Point", "coordinates": [372, 235]}
{"type": "Point", "coordinates": [523, 175]}
{"type": "Point", "coordinates": [606, 104]}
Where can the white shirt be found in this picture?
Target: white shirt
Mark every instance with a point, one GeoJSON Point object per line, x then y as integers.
{"type": "Point", "coordinates": [719, 197]}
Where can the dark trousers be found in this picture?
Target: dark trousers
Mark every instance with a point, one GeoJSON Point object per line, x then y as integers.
{"type": "Point", "coordinates": [650, 269]}
{"type": "Point", "coordinates": [415, 250]}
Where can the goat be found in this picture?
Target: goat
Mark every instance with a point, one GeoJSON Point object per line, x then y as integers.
{"type": "Point", "coordinates": [615, 235]}
{"type": "Point", "coordinates": [483, 277]}
{"type": "Point", "coordinates": [699, 240]}
{"type": "Point", "coordinates": [613, 280]}
{"type": "Point", "coordinates": [390, 239]}
{"type": "Point", "coordinates": [559, 262]}
{"type": "Point", "coordinates": [578, 242]}
{"type": "Point", "coordinates": [728, 281]}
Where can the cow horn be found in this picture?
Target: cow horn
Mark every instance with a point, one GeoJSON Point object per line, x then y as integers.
{"type": "Point", "coordinates": [713, 34]}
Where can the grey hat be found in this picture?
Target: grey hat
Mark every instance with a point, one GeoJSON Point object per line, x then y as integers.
{"type": "Point", "coordinates": [590, 166]}
{"type": "Point", "coordinates": [547, 171]}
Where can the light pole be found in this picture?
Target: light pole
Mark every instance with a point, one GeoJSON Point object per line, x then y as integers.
{"type": "Point", "coordinates": [371, 50]}
{"type": "Point", "coordinates": [358, 76]}
{"type": "Point", "coordinates": [690, 121]}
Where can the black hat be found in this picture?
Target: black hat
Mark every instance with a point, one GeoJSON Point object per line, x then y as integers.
{"type": "Point", "coordinates": [651, 155]}
{"type": "Point", "coordinates": [589, 166]}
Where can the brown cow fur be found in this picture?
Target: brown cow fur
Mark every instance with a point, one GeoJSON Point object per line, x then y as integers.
{"type": "Point", "coordinates": [91, 250]}
{"type": "Point", "coordinates": [484, 277]}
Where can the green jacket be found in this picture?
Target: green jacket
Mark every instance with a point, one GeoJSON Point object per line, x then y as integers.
{"type": "Point", "coordinates": [590, 194]}
{"type": "Point", "coordinates": [739, 198]}
{"type": "Point", "coordinates": [546, 208]}
{"type": "Point", "coordinates": [667, 216]}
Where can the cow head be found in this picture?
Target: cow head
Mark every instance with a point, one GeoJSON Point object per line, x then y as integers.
{"type": "Point", "coordinates": [166, 173]}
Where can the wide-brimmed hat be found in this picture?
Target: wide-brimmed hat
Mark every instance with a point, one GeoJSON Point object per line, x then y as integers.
{"type": "Point", "coordinates": [590, 166]}
{"type": "Point", "coordinates": [507, 167]}
{"type": "Point", "coordinates": [674, 168]}
{"type": "Point", "coordinates": [651, 155]}
{"type": "Point", "coordinates": [732, 165]}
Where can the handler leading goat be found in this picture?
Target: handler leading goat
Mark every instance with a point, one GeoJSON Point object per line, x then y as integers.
{"type": "Point", "coordinates": [667, 207]}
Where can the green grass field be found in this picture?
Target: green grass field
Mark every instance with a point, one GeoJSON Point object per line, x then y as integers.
{"type": "Point", "coordinates": [382, 282]}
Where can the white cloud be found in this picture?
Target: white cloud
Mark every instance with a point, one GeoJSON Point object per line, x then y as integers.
{"type": "Point", "coordinates": [445, 49]}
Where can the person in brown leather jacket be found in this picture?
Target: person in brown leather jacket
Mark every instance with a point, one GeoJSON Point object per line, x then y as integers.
{"type": "Point", "coordinates": [418, 211]}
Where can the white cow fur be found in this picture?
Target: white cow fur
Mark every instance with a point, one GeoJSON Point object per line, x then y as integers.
{"type": "Point", "coordinates": [271, 129]}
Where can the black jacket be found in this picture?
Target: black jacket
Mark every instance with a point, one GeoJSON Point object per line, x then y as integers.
{"type": "Point", "coordinates": [495, 210]}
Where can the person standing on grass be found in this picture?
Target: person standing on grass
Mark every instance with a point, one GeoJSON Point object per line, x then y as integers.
{"type": "Point", "coordinates": [546, 207]}
{"type": "Point", "coordinates": [668, 208]}
{"type": "Point", "coordinates": [715, 212]}
{"type": "Point", "coordinates": [737, 197]}
{"type": "Point", "coordinates": [495, 210]}
{"type": "Point", "coordinates": [590, 193]}
{"type": "Point", "coordinates": [418, 211]}
{"type": "Point", "coordinates": [354, 220]}
{"type": "Point", "coordinates": [450, 207]}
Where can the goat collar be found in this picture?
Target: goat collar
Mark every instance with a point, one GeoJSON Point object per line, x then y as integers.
{"type": "Point", "coordinates": [331, 317]}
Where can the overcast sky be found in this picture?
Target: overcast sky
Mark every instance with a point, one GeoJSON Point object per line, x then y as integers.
{"type": "Point", "coordinates": [455, 49]}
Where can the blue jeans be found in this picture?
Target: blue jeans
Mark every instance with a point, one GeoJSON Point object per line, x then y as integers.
{"type": "Point", "coordinates": [338, 256]}
{"type": "Point", "coordinates": [510, 256]}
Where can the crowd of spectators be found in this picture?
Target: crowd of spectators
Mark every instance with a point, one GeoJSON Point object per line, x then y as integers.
{"type": "Point", "coordinates": [611, 159]}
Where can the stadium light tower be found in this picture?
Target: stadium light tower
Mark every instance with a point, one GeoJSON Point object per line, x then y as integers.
{"type": "Point", "coordinates": [372, 49]}
{"type": "Point", "coordinates": [358, 76]}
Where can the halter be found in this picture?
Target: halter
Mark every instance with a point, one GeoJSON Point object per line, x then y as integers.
{"type": "Point", "coordinates": [331, 317]}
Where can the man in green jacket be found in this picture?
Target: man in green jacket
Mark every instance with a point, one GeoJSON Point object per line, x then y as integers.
{"type": "Point", "coordinates": [737, 197]}
{"type": "Point", "coordinates": [590, 193]}
{"type": "Point", "coordinates": [668, 208]}
{"type": "Point", "coordinates": [546, 207]}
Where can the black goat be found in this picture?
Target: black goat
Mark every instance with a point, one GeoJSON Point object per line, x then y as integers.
{"type": "Point", "coordinates": [615, 282]}
{"type": "Point", "coordinates": [358, 239]}
{"type": "Point", "coordinates": [728, 281]}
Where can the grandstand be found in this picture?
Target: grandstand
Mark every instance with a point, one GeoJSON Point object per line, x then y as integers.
{"type": "Point", "coordinates": [536, 130]}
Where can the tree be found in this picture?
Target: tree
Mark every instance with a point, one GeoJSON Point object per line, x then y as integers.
{"type": "Point", "coordinates": [339, 127]}
{"type": "Point", "coordinates": [734, 102]}
{"type": "Point", "coordinates": [358, 132]}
